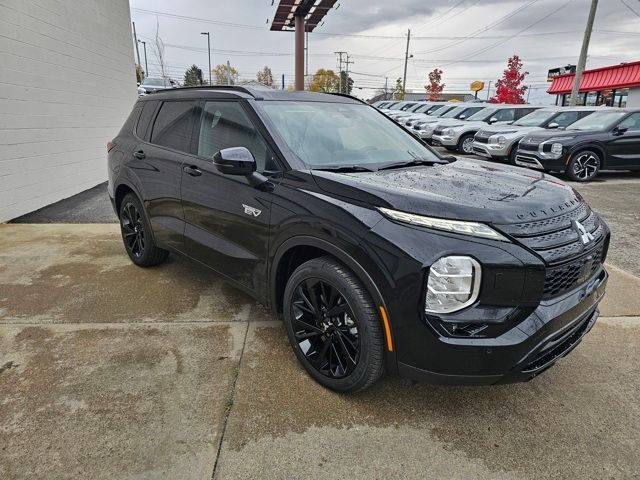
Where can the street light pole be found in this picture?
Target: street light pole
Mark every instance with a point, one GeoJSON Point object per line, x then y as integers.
{"type": "Point", "coordinates": [146, 67]}
{"type": "Point", "coordinates": [209, 51]}
{"type": "Point", "coordinates": [582, 61]}
{"type": "Point", "coordinates": [406, 59]}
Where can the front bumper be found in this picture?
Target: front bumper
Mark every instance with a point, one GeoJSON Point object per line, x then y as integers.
{"type": "Point", "coordinates": [491, 150]}
{"type": "Point", "coordinates": [444, 141]}
{"type": "Point", "coordinates": [549, 333]}
{"type": "Point", "coordinates": [528, 159]}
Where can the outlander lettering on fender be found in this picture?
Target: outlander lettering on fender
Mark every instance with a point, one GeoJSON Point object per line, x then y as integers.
{"type": "Point", "coordinates": [365, 241]}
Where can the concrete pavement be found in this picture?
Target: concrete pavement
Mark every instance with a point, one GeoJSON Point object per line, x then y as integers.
{"type": "Point", "coordinates": [112, 371]}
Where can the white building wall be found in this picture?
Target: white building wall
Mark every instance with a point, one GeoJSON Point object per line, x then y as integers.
{"type": "Point", "coordinates": [633, 99]}
{"type": "Point", "coordinates": [67, 83]}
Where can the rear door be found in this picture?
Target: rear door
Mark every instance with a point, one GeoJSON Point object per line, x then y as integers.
{"type": "Point", "coordinates": [227, 220]}
{"type": "Point", "coordinates": [624, 149]}
{"type": "Point", "coordinates": [164, 140]}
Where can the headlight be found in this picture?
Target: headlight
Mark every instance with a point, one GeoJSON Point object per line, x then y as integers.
{"type": "Point", "coordinates": [427, 128]}
{"type": "Point", "coordinates": [556, 149]}
{"type": "Point", "coordinates": [453, 284]}
{"type": "Point", "coordinates": [502, 140]}
{"type": "Point", "coordinates": [449, 132]}
{"type": "Point", "coordinates": [474, 229]}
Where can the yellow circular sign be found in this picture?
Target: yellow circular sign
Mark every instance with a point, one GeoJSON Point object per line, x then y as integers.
{"type": "Point", "coordinates": [477, 86]}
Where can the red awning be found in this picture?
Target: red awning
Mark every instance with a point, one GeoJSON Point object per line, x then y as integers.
{"type": "Point", "coordinates": [618, 76]}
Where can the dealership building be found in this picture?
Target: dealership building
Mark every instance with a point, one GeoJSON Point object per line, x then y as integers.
{"type": "Point", "coordinates": [615, 86]}
{"type": "Point", "coordinates": [67, 83]}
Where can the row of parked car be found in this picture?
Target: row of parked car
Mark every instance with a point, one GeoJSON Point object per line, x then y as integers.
{"type": "Point", "coordinates": [579, 141]}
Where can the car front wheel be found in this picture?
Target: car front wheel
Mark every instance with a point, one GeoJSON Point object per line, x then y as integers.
{"type": "Point", "coordinates": [333, 326]}
{"type": "Point", "coordinates": [465, 145]}
{"type": "Point", "coordinates": [584, 166]}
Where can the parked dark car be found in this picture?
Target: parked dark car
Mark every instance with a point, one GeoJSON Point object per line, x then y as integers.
{"type": "Point", "coordinates": [380, 254]}
{"type": "Point", "coordinates": [604, 140]}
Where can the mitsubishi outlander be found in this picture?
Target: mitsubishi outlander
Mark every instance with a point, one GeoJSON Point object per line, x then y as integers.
{"type": "Point", "coordinates": [381, 255]}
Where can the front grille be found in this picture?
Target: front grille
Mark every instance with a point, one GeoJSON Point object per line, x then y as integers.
{"type": "Point", "coordinates": [569, 262]}
{"type": "Point", "coordinates": [528, 147]}
{"type": "Point", "coordinates": [481, 139]}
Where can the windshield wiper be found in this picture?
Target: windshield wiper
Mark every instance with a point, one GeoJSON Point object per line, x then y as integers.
{"type": "Point", "coordinates": [413, 163]}
{"type": "Point", "coordinates": [346, 168]}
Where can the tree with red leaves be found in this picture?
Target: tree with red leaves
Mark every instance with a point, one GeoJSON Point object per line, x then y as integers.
{"type": "Point", "coordinates": [509, 88]}
{"type": "Point", "coordinates": [434, 89]}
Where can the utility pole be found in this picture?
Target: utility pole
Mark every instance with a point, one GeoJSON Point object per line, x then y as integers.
{"type": "Point", "coordinates": [146, 67]}
{"type": "Point", "coordinates": [228, 73]}
{"type": "Point", "coordinates": [306, 54]}
{"type": "Point", "coordinates": [406, 60]}
{"type": "Point", "coordinates": [299, 22]}
{"type": "Point", "coordinates": [528, 92]}
{"type": "Point", "coordinates": [340, 68]}
{"type": "Point", "coordinates": [489, 90]}
{"type": "Point", "coordinates": [583, 54]}
{"type": "Point", "coordinates": [347, 62]}
{"type": "Point", "coordinates": [386, 88]}
{"type": "Point", "coordinates": [283, 81]}
{"type": "Point", "coordinates": [135, 39]}
{"type": "Point", "coordinates": [209, 51]}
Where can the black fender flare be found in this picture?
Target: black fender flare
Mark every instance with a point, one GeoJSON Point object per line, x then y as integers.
{"type": "Point", "coordinates": [350, 262]}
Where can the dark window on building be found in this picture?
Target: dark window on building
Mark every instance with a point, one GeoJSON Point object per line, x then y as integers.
{"type": "Point", "coordinates": [173, 126]}
{"type": "Point", "coordinates": [143, 129]}
{"type": "Point", "coordinates": [226, 125]}
{"type": "Point", "coordinates": [591, 99]}
{"type": "Point", "coordinates": [620, 100]}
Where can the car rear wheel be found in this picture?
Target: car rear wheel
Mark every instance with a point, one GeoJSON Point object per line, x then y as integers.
{"type": "Point", "coordinates": [584, 166]}
{"type": "Point", "coordinates": [465, 145]}
{"type": "Point", "coordinates": [333, 326]}
{"type": "Point", "coordinates": [136, 234]}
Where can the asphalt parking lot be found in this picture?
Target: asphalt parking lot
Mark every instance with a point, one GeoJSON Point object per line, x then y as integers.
{"type": "Point", "coordinates": [112, 371]}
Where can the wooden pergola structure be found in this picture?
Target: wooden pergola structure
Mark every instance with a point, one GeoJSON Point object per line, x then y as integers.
{"type": "Point", "coordinates": [302, 16]}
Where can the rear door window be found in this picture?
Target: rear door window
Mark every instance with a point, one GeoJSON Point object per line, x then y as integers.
{"type": "Point", "coordinates": [504, 114]}
{"type": "Point", "coordinates": [173, 125]}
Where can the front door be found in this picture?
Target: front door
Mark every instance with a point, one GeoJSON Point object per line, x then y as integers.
{"type": "Point", "coordinates": [227, 220]}
{"type": "Point", "coordinates": [624, 148]}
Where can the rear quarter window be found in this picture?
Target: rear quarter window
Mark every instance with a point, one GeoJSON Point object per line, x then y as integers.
{"type": "Point", "coordinates": [130, 122]}
{"type": "Point", "coordinates": [143, 129]}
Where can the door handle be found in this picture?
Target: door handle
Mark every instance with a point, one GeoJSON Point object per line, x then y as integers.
{"type": "Point", "coordinates": [192, 170]}
{"type": "Point", "coordinates": [139, 154]}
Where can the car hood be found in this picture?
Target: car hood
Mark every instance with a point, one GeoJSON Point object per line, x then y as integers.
{"type": "Point", "coordinates": [461, 190]}
{"type": "Point", "coordinates": [544, 135]}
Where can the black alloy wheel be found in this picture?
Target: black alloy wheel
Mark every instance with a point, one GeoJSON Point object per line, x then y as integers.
{"type": "Point", "coordinates": [132, 230]}
{"type": "Point", "coordinates": [333, 325]}
{"type": "Point", "coordinates": [584, 166]}
{"type": "Point", "coordinates": [325, 329]}
{"type": "Point", "coordinates": [136, 234]}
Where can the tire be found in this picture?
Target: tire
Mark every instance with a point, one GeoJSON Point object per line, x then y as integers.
{"type": "Point", "coordinates": [511, 159]}
{"type": "Point", "coordinates": [324, 343]}
{"type": "Point", "coordinates": [584, 166]}
{"type": "Point", "coordinates": [465, 144]}
{"type": "Point", "coordinates": [136, 234]}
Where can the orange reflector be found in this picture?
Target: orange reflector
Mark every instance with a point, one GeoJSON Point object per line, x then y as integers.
{"type": "Point", "coordinates": [387, 329]}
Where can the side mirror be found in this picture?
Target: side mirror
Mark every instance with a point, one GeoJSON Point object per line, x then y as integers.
{"type": "Point", "coordinates": [235, 161]}
{"type": "Point", "coordinates": [553, 125]}
{"type": "Point", "coordinates": [619, 130]}
{"type": "Point", "coordinates": [462, 117]}
{"type": "Point", "coordinates": [492, 120]}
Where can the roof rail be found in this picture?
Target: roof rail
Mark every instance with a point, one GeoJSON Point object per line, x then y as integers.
{"type": "Point", "coordinates": [348, 95]}
{"type": "Point", "coordinates": [238, 88]}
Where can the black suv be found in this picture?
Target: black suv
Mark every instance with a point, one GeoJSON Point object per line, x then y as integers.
{"type": "Point", "coordinates": [603, 140]}
{"type": "Point", "coordinates": [380, 254]}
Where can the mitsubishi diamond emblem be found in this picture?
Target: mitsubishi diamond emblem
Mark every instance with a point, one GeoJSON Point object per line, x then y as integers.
{"type": "Point", "coordinates": [585, 236]}
{"type": "Point", "coordinates": [251, 210]}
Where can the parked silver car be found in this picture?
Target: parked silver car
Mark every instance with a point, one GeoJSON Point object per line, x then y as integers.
{"type": "Point", "coordinates": [500, 142]}
{"type": "Point", "coordinates": [425, 126]}
{"type": "Point", "coordinates": [458, 135]}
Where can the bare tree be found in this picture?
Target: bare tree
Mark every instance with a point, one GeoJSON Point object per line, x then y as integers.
{"type": "Point", "coordinates": [158, 50]}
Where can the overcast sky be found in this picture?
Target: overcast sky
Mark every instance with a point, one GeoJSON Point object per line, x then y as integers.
{"type": "Point", "coordinates": [468, 39]}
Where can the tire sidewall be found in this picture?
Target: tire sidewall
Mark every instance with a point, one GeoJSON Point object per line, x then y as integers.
{"type": "Point", "coordinates": [465, 137]}
{"type": "Point", "coordinates": [325, 271]}
{"type": "Point", "coordinates": [570, 173]}
{"type": "Point", "coordinates": [148, 235]}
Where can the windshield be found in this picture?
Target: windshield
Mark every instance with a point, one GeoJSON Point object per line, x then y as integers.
{"type": "Point", "coordinates": [598, 121]}
{"type": "Point", "coordinates": [329, 135]}
{"type": "Point", "coordinates": [442, 112]}
{"type": "Point", "coordinates": [482, 115]}
{"type": "Point", "coordinates": [422, 108]}
{"type": "Point", "coordinates": [407, 106]}
{"type": "Point", "coordinates": [415, 108]}
{"type": "Point", "coordinates": [454, 112]}
{"type": "Point", "coordinates": [154, 82]}
{"type": "Point", "coordinates": [535, 119]}
{"type": "Point", "coordinates": [433, 109]}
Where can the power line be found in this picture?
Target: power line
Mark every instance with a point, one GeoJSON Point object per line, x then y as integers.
{"type": "Point", "coordinates": [629, 7]}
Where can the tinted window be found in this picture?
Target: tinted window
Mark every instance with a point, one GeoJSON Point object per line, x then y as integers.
{"type": "Point", "coordinates": [130, 122]}
{"type": "Point", "coordinates": [523, 112]}
{"type": "Point", "coordinates": [142, 130]}
{"type": "Point", "coordinates": [631, 123]}
{"type": "Point", "coordinates": [565, 119]}
{"type": "Point", "coordinates": [173, 125]}
{"type": "Point", "coordinates": [226, 125]}
{"type": "Point", "coordinates": [504, 114]}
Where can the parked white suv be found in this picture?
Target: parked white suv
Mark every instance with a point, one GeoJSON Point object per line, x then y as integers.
{"type": "Point", "coordinates": [424, 127]}
{"type": "Point", "coordinates": [458, 135]}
